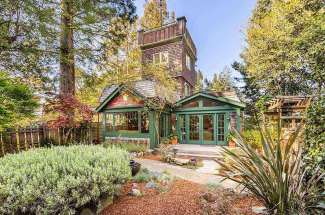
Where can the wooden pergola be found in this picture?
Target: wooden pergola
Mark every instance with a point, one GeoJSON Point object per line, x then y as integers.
{"type": "Point", "coordinates": [289, 110]}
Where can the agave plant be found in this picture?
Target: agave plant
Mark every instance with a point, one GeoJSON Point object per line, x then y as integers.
{"type": "Point", "coordinates": [275, 174]}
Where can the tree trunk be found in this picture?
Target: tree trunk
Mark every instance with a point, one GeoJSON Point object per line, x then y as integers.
{"type": "Point", "coordinates": [67, 61]}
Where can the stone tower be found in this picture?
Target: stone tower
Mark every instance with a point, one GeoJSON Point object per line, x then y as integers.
{"type": "Point", "coordinates": [172, 44]}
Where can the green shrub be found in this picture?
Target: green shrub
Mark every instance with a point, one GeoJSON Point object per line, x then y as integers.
{"type": "Point", "coordinates": [60, 180]}
{"type": "Point", "coordinates": [253, 138]}
{"type": "Point", "coordinates": [130, 147]}
{"type": "Point", "coordinates": [315, 135]}
{"type": "Point", "coordinates": [275, 175]}
{"type": "Point", "coordinates": [143, 176]}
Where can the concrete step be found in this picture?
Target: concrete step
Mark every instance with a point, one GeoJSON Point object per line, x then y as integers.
{"type": "Point", "coordinates": [201, 151]}
{"type": "Point", "coordinates": [207, 157]}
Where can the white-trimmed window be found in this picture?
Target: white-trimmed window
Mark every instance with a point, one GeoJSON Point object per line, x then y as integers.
{"type": "Point", "coordinates": [188, 62]}
{"type": "Point", "coordinates": [160, 58]}
{"type": "Point", "coordinates": [186, 89]}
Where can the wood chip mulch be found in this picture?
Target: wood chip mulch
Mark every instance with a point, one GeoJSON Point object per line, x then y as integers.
{"type": "Point", "coordinates": [183, 198]}
{"type": "Point", "coordinates": [156, 157]}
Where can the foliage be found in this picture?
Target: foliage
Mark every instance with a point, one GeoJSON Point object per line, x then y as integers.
{"type": "Point", "coordinates": [32, 34]}
{"type": "Point", "coordinates": [315, 135]}
{"type": "Point", "coordinates": [154, 15]}
{"type": "Point", "coordinates": [130, 147]}
{"type": "Point", "coordinates": [199, 82]}
{"type": "Point", "coordinates": [253, 138]}
{"type": "Point", "coordinates": [17, 101]}
{"type": "Point", "coordinates": [144, 175]}
{"type": "Point", "coordinates": [285, 47]}
{"type": "Point", "coordinates": [60, 115]}
{"type": "Point", "coordinates": [160, 179]}
{"type": "Point", "coordinates": [275, 175]}
{"type": "Point", "coordinates": [248, 89]}
{"type": "Point", "coordinates": [60, 180]}
{"type": "Point", "coordinates": [221, 82]}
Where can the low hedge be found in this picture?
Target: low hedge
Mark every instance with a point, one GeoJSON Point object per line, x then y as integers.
{"type": "Point", "coordinates": [60, 180]}
{"type": "Point", "coordinates": [130, 147]}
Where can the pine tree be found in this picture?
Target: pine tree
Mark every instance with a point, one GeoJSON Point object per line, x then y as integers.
{"type": "Point", "coordinates": [221, 82]}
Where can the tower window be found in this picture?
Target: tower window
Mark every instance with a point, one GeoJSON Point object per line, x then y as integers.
{"type": "Point", "coordinates": [186, 89]}
{"type": "Point", "coordinates": [188, 62]}
{"type": "Point", "coordinates": [160, 58]}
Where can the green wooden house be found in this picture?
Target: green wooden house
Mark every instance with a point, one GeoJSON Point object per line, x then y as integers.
{"type": "Point", "coordinates": [201, 118]}
{"type": "Point", "coordinates": [196, 118]}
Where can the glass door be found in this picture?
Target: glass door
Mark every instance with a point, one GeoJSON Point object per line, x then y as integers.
{"type": "Point", "coordinates": [221, 129]}
{"type": "Point", "coordinates": [194, 129]}
{"type": "Point", "coordinates": [208, 129]}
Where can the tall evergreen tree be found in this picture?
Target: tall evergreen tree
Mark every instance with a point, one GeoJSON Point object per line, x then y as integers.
{"type": "Point", "coordinates": [38, 36]}
{"type": "Point", "coordinates": [221, 81]}
{"type": "Point", "coordinates": [199, 81]}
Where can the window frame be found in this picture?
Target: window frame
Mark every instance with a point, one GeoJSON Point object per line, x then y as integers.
{"type": "Point", "coordinates": [186, 89]}
{"type": "Point", "coordinates": [188, 62]}
{"type": "Point", "coordinates": [157, 58]}
{"type": "Point", "coordinates": [139, 117]}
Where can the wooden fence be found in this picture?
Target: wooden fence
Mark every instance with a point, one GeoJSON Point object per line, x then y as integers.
{"type": "Point", "coordinates": [17, 140]}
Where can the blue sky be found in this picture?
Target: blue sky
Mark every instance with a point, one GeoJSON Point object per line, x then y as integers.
{"type": "Point", "coordinates": [217, 28]}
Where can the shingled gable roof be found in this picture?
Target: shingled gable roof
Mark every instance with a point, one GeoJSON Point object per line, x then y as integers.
{"type": "Point", "coordinates": [143, 88]}
{"type": "Point", "coordinates": [218, 96]}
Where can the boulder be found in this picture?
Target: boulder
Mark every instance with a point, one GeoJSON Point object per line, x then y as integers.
{"type": "Point", "coordinates": [181, 161]}
{"type": "Point", "coordinates": [135, 192]}
{"type": "Point", "coordinates": [151, 185]}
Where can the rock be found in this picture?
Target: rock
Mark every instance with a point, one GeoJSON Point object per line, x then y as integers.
{"type": "Point", "coordinates": [259, 210]}
{"type": "Point", "coordinates": [210, 197]}
{"type": "Point", "coordinates": [193, 162]}
{"type": "Point", "coordinates": [135, 192]}
{"type": "Point", "coordinates": [151, 185]}
{"type": "Point", "coordinates": [181, 161]}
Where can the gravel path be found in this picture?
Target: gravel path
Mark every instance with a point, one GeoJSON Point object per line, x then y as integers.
{"type": "Point", "coordinates": [187, 174]}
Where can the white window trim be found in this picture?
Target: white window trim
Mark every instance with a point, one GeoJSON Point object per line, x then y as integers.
{"type": "Point", "coordinates": [161, 55]}
{"type": "Point", "coordinates": [186, 89]}
{"type": "Point", "coordinates": [188, 62]}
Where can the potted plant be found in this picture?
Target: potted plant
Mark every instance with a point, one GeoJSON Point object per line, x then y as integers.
{"type": "Point", "coordinates": [173, 139]}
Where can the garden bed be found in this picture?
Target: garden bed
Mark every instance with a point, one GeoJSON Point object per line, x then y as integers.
{"type": "Point", "coordinates": [182, 197]}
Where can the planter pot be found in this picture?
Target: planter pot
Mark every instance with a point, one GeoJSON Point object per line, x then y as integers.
{"type": "Point", "coordinates": [135, 167]}
{"type": "Point", "coordinates": [232, 144]}
{"type": "Point", "coordinates": [174, 141]}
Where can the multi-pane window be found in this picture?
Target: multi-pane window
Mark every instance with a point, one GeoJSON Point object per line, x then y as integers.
{"type": "Point", "coordinates": [186, 89]}
{"type": "Point", "coordinates": [221, 127]}
{"type": "Point", "coordinates": [160, 58]}
{"type": "Point", "coordinates": [127, 121]}
{"type": "Point", "coordinates": [188, 62]}
{"type": "Point", "coordinates": [133, 121]}
{"type": "Point", "coordinates": [144, 122]}
{"type": "Point", "coordinates": [109, 122]}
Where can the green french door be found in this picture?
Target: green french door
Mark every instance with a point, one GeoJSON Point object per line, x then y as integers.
{"type": "Point", "coordinates": [210, 128]}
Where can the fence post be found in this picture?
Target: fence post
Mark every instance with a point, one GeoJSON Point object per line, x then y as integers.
{"type": "Point", "coordinates": [17, 140]}
{"type": "Point", "coordinates": [2, 145]}
{"type": "Point", "coordinates": [31, 136]}
{"type": "Point", "coordinates": [38, 137]}
{"type": "Point", "coordinates": [25, 139]}
{"type": "Point", "coordinates": [59, 136]}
